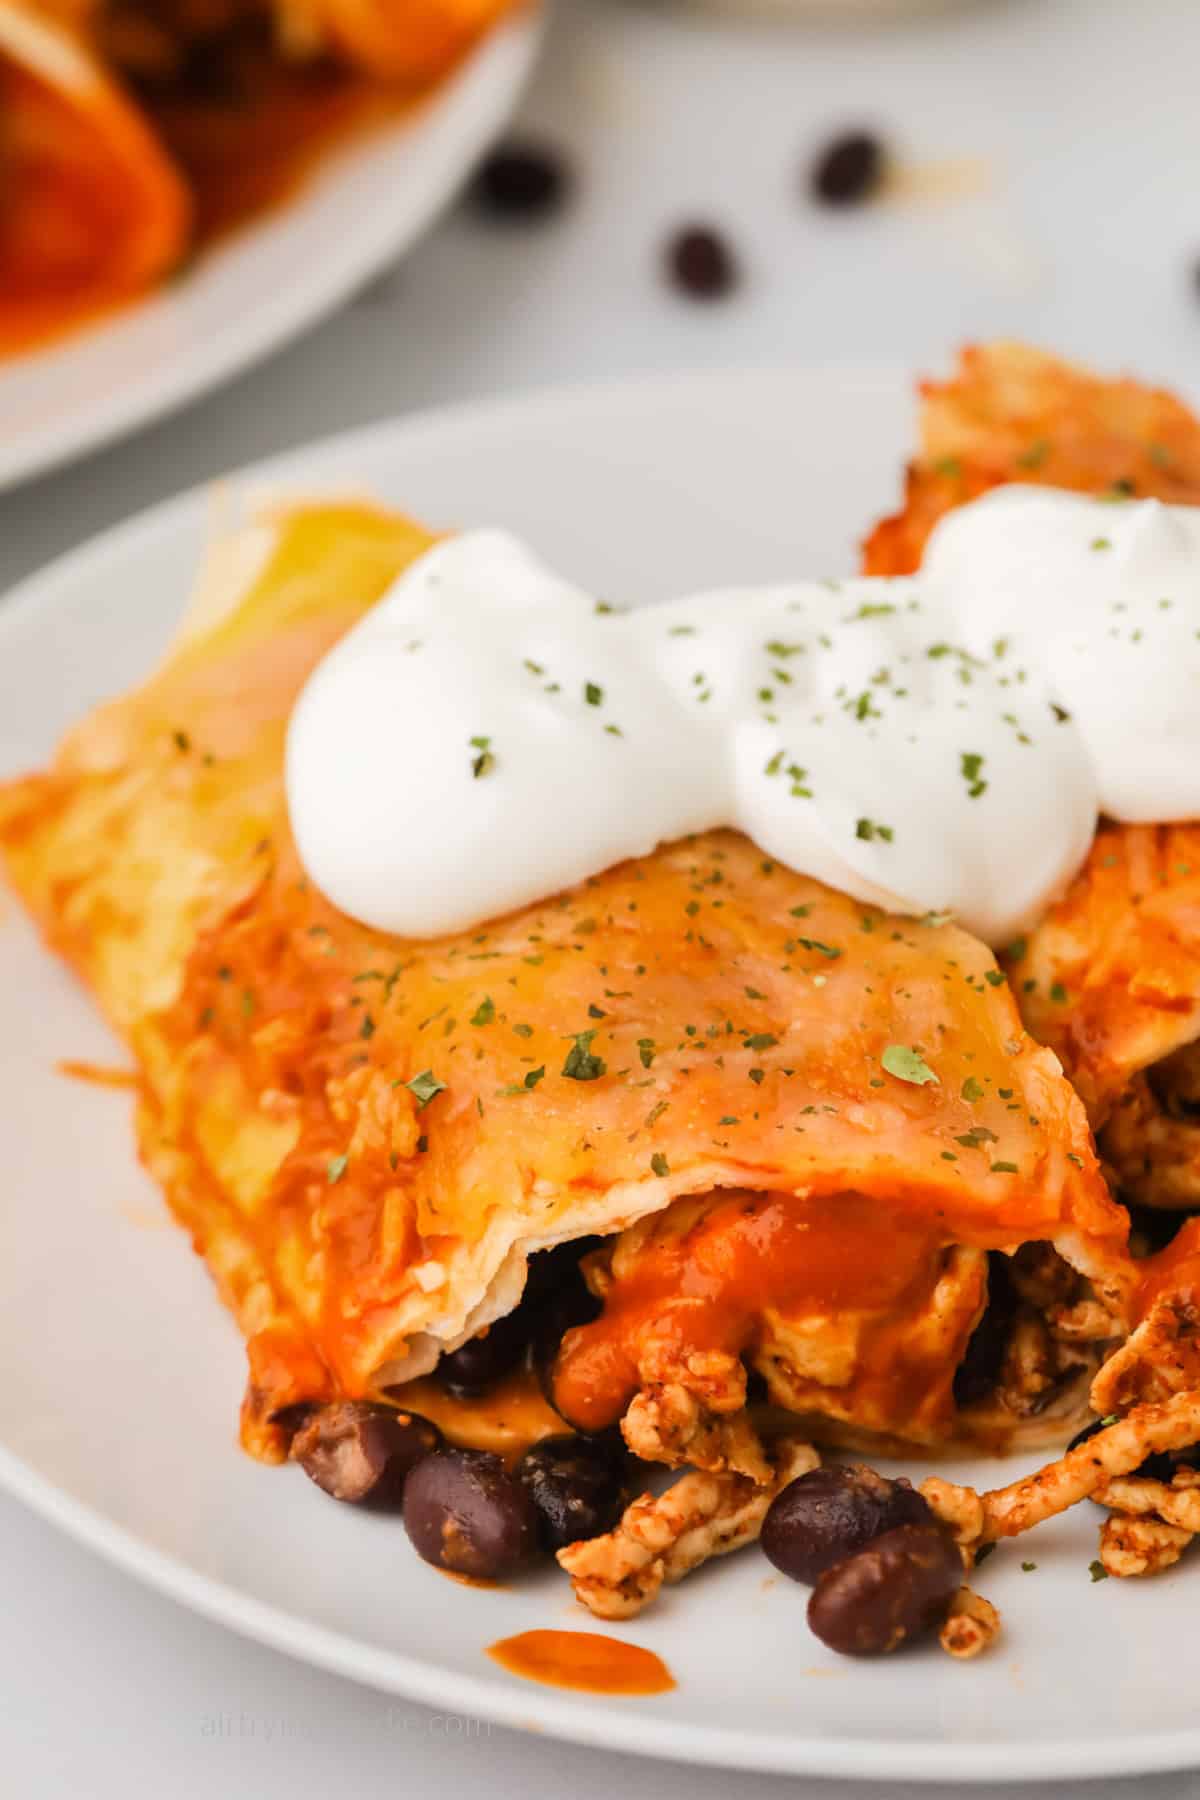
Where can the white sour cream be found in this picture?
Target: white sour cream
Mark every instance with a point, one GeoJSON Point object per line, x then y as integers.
{"type": "Point", "coordinates": [487, 735]}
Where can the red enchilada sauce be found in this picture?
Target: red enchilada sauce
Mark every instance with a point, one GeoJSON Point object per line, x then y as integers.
{"type": "Point", "coordinates": [107, 193]}
{"type": "Point", "coordinates": [1174, 1270]}
{"type": "Point", "coordinates": [587, 1660]}
{"type": "Point", "coordinates": [247, 129]}
{"type": "Point", "coordinates": [710, 1272]}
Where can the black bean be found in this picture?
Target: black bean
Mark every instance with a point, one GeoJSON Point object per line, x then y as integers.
{"type": "Point", "coordinates": [1154, 1226]}
{"type": "Point", "coordinates": [571, 1304]}
{"type": "Point", "coordinates": [893, 1589]}
{"type": "Point", "coordinates": [289, 1419]}
{"type": "Point", "coordinates": [519, 183]}
{"type": "Point", "coordinates": [485, 1359]}
{"type": "Point", "coordinates": [363, 1453]}
{"type": "Point", "coordinates": [463, 1511]}
{"type": "Point", "coordinates": [550, 1270]}
{"type": "Point", "coordinates": [701, 263]}
{"type": "Point", "coordinates": [466, 1512]}
{"type": "Point", "coordinates": [977, 1375]}
{"type": "Point", "coordinates": [832, 1511]}
{"type": "Point", "coordinates": [555, 1298]}
{"type": "Point", "coordinates": [578, 1485]}
{"type": "Point", "coordinates": [848, 170]}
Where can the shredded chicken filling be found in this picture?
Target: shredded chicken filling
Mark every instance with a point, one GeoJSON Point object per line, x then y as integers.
{"type": "Point", "coordinates": [1152, 1141]}
{"type": "Point", "coordinates": [791, 1290]}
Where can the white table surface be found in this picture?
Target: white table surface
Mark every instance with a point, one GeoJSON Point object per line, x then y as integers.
{"type": "Point", "coordinates": [1074, 126]}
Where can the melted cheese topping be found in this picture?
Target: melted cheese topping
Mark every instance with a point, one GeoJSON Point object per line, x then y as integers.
{"type": "Point", "coordinates": [366, 1137]}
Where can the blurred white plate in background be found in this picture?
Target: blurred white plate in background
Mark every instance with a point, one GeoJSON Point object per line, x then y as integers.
{"type": "Point", "coordinates": [123, 1374]}
{"type": "Point", "coordinates": [367, 201]}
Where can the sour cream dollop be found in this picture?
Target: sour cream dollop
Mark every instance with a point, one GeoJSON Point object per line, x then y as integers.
{"type": "Point", "coordinates": [489, 735]}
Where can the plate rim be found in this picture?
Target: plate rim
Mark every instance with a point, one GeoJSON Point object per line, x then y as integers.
{"type": "Point", "coordinates": [551, 1712]}
{"type": "Point", "coordinates": [554, 1712]}
{"type": "Point", "coordinates": [496, 73]}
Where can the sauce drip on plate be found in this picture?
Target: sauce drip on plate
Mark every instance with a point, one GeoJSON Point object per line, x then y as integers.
{"type": "Point", "coordinates": [583, 1659]}
{"type": "Point", "coordinates": [96, 1074]}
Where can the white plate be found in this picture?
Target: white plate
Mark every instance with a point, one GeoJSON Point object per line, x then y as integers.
{"type": "Point", "coordinates": [369, 200]}
{"type": "Point", "coordinates": [123, 1375]}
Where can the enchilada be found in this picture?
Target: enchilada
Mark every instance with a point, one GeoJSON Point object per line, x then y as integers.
{"type": "Point", "coordinates": [812, 1118]}
{"type": "Point", "coordinates": [732, 1159]}
{"type": "Point", "coordinates": [1110, 979]}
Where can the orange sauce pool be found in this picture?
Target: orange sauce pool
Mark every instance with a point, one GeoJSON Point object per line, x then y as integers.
{"type": "Point", "coordinates": [583, 1659]}
{"type": "Point", "coordinates": [510, 1417]}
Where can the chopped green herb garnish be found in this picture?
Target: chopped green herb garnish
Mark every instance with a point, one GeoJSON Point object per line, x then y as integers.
{"type": "Point", "coordinates": [534, 1076]}
{"type": "Point", "coordinates": [976, 1138]}
{"type": "Point", "coordinates": [829, 950]}
{"type": "Point", "coordinates": [972, 1089]}
{"type": "Point", "coordinates": [762, 1040]}
{"type": "Point", "coordinates": [580, 1064]}
{"type": "Point", "coordinates": [659, 1164]}
{"type": "Point", "coordinates": [906, 1063]}
{"type": "Point", "coordinates": [485, 761]}
{"type": "Point", "coordinates": [1097, 1571]}
{"type": "Point", "coordinates": [970, 763]}
{"type": "Point", "coordinates": [869, 829]}
{"type": "Point", "coordinates": [1035, 456]}
{"type": "Point", "coordinates": [485, 1012]}
{"type": "Point", "coordinates": [592, 694]}
{"type": "Point", "coordinates": [424, 1087]}
{"type": "Point", "coordinates": [646, 1050]}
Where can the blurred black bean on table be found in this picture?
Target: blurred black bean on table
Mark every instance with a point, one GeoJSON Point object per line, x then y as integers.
{"type": "Point", "coordinates": [520, 182]}
{"type": "Point", "coordinates": [701, 264]}
{"type": "Point", "coordinates": [848, 170]}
